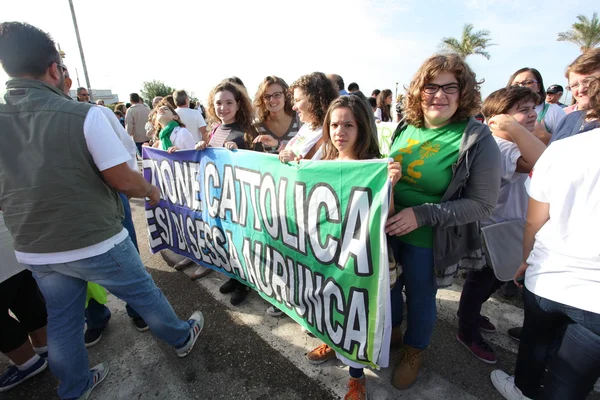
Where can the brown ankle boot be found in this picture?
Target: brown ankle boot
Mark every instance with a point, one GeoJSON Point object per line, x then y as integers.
{"type": "Point", "coordinates": [407, 370]}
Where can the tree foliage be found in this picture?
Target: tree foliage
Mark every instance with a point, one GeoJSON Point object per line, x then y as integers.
{"type": "Point", "coordinates": [470, 43]}
{"type": "Point", "coordinates": [155, 88]}
{"type": "Point", "coordinates": [585, 33]}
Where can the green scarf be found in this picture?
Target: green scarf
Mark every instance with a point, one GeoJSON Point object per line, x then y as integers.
{"type": "Point", "coordinates": [165, 135]}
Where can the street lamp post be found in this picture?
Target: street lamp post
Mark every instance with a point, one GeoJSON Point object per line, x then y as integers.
{"type": "Point", "coordinates": [85, 73]}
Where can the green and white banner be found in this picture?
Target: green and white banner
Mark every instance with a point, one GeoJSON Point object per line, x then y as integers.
{"type": "Point", "coordinates": [308, 237]}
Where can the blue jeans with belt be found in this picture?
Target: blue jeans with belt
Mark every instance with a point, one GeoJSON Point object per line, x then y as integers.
{"type": "Point", "coordinates": [64, 286]}
{"type": "Point", "coordinates": [418, 277]}
{"type": "Point", "coordinates": [96, 314]}
{"type": "Point", "coordinates": [573, 369]}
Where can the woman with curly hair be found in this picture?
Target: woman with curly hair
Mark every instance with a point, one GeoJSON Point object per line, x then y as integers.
{"type": "Point", "coordinates": [312, 95]}
{"type": "Point", "coordinates": [229, 105]}
{"type": "Point", "coordinates": [384, 106]}
{"type": "Point", "coordinates": [276, 123]}
{"type": "Point", "coordinates": [450, 181]}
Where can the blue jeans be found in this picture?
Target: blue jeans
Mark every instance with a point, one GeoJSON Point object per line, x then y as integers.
{"type": "Point", "coordinates": [64, 286]}
{"type": "Point", "coordinates": [96, 314]}
{"type": "Point", "coordinates": [418, 276]}
{"type": "Point", "coordinates": [574, 367]}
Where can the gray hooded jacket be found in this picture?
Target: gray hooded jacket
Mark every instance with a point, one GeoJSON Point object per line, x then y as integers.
{"type": "Point", "coordinates": [470, 197]}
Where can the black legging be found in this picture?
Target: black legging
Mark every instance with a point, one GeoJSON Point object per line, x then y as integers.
{"type": "Point", "coordinates": [21, 295]}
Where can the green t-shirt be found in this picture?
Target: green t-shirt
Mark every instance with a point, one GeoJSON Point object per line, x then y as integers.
{"type": "Point", "coordinates": [426, 157]}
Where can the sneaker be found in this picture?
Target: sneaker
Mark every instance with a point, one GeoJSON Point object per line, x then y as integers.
{"type": "Point", "coordinates": [274, 312]}
{"type": "Point", "coordinates": [92, 336]}
{"type": "Point", "coordinates": [14, 376]}
{"type": "Point", "coordinates": [485, 325]}
{"type": "Point", "coordinates": [480, 349]}
{"type": "Point", "coordinates": [320, 354]}
{"type": "Point", "coordinates": [509, 290]}
{"type": "Point", "coordinates": [196, 323]}
{"type": "Point", "coordinates": [505, 384]}
{"type": "Point", "coordinates": [239, 294]}
{"type": "Point", "coordinates": [357, 389]}
{"type": "Point", "coordinates": [100, 371]}
{"type": "Point", "coordinates": [515, 333]}
{"type": "Point", "coordinates": [228, 286]}
{"type": "Point", "coordinates": [140, 324]}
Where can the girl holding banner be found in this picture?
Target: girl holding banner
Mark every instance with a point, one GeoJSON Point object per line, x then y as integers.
{"type": "Point", "coordinates": [450, 181]}
{"type": "Point", "coordinates": [312, 95]}
{"type": "Point", "coordinates": [277, 123]}
{"type": "Point", "coordinates": [349, 134]}
{"type": "Point", "coordinates": [230, 106]}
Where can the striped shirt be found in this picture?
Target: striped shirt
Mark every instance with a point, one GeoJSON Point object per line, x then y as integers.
{"type": "Point", "coordinates": [292, 130]}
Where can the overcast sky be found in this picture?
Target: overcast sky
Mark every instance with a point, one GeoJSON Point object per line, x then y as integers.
{"type": "Point", "coordinates": [376, 43]}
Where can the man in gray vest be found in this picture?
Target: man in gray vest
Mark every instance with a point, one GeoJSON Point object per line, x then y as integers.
{"type": "Point", "coordinates": [60, 169]}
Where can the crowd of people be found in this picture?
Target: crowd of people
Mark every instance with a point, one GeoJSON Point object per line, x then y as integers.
{"type": "Point", "coordinates": [527, 175]}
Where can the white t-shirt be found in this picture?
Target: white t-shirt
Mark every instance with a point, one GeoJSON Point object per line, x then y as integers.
{"type": "Point", "coordinates": [564, 265]}
{"type": "Point", "coordinates": [182, 138]}
{"type": "Point", "coordinates": [193, 121]}
{"type": "Point", "coordinates": [9, 266]}
{"type": "Point", "coordinates": [122, 135]}
{"type": "Point", "coordinates": [305, 139]}
{"type": "Point", "coordinates": [513, 198]}
{"type": "Point", "coordinates": [107, 151]}
{"type": "Point", "coordinates": [553, 116]}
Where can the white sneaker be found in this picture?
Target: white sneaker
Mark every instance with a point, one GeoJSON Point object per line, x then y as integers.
{"type": "Point", "coordinates": [274, 312]}
{"type": "Point", "coordinates": [196, 323]}
{"type": "Point", "coordinates": [505, 384]}
{"type": "Point", "coordinates": [100, 371]}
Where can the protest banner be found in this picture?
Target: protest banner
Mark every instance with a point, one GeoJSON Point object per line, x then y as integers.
{"type": "Point", "coordinates": [308, 237]}
{"type": "Point", "coordinates": [385, 130]}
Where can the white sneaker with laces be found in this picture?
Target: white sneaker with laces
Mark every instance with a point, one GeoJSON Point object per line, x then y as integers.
{"type": "Point", "coordinates": [196, 323]}
{"type": "Point", "coordinates": [100, 371]}
{"type": "Point", "coordinates": [505, 384]}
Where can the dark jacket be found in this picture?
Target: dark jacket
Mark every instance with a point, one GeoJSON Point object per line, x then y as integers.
{"type": "Point", "coordinates": [470, 197]}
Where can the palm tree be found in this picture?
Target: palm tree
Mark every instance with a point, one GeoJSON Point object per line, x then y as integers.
{"type": "Point", "coordinates": [470, 43]}
{"type": "Point", "coordinates": [585, 33]}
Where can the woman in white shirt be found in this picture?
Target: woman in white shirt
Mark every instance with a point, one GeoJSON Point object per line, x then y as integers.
{"type": "Point", "coordinates": [172, 134]}
{"type": "Point", "coordinates": [561, 272]}
{"type": "Point", "coordinates": [549, 115]}
{"type": "Point", "coordinates": [312, 95]}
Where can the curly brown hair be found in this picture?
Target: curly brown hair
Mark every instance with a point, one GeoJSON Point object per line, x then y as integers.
{"type": "Point", "coordinates": [366, 146]}
{"type": "Point", "coordinates": [245, 113]}
{"type": "Point", "coordinates": [469, 102]}
{"type": "Point", "coordinates": [319, 92]}
{"type": "Point", "coordinates": [594, 94]}
{"type": "Point", "coordinates": [259, 103]}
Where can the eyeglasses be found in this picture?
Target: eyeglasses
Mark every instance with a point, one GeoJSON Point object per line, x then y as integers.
{"type": "Point", "coordinates": [449, 88]}
{"type": "Point", "coordinates": [584, 83]}
{"type": "Point", "coordinates": [275, 96]}
{"type": "Point", "coordinates": [526, 83]}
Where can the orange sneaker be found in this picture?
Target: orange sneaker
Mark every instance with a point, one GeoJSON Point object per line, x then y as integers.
{"type": "Point", "coordinates": [320, 354]}
{"type": "Point", "coordinates": [357, 389]}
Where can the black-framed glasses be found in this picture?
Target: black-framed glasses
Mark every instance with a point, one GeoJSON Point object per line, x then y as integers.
{"type": "Point", "coordinates": [448, 88]}
{"type": "Point", "coordinates": [274, 96]}
{"type": "Point", "coordinates": [526, 83]}
{"type": "Point", "coordinates": [584, 83]}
